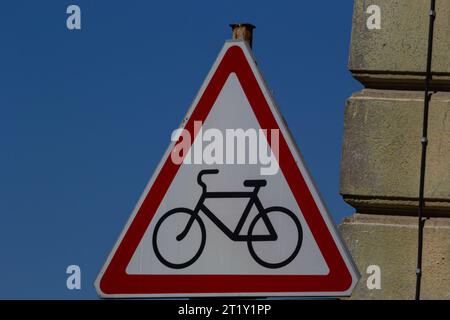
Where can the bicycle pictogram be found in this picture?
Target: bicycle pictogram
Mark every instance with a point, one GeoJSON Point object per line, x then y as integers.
{"type": "Point", "coordinates": [263, 214]}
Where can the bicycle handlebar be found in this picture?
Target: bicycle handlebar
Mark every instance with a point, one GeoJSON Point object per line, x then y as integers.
{"type": "Point", "coordinates": [203, 172]}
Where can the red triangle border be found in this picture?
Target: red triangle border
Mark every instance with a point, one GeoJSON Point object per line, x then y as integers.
{"type": "Point", "coordinates": [115, 280]}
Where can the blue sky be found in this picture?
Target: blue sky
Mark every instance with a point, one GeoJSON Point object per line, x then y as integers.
{"type": "Point", "coordinates": [86, 115]}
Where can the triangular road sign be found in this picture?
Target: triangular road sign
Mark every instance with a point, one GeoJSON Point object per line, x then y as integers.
{"type": "Point", "coordinates": [229, 224]}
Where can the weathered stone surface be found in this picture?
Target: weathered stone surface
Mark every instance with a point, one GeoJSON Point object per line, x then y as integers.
{"type": "Point", "coordinates": [390, 242]}
{"type": "Point", "coordinates": [395, 55]}
{"type": "Point", "coordinates": [382, 150]}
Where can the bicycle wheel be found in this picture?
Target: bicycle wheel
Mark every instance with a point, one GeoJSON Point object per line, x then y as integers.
{"type": "Point", "coordinates": [289, 251]}
{"type": "Point", "coordinates": [173, 223]}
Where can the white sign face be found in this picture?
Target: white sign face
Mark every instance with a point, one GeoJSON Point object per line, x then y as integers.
{"type": "Point", "coordinates": [231, 209]}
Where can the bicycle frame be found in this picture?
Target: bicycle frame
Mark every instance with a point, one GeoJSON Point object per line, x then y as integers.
{"type": "Point", "coordinates": [233, 234]}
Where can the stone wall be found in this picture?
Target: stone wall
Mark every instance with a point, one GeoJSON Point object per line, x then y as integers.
{"type": "Point", "coordinates": [382, 149]}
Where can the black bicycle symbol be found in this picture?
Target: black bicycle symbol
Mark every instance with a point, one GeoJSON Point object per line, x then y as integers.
{"type": "Point", "coordinates": [263, 213]}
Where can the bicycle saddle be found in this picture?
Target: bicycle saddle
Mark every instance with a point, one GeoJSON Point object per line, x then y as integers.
{"type": "Point", "coordinates": [255, 183]}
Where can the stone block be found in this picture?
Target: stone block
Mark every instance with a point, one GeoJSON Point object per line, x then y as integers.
{"type": "Point", "coordinates": [381, 152]}
{"type": "Point", "coordinates": [390, 242]}
{"type": "Point", "coordinates": [394, 56]}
